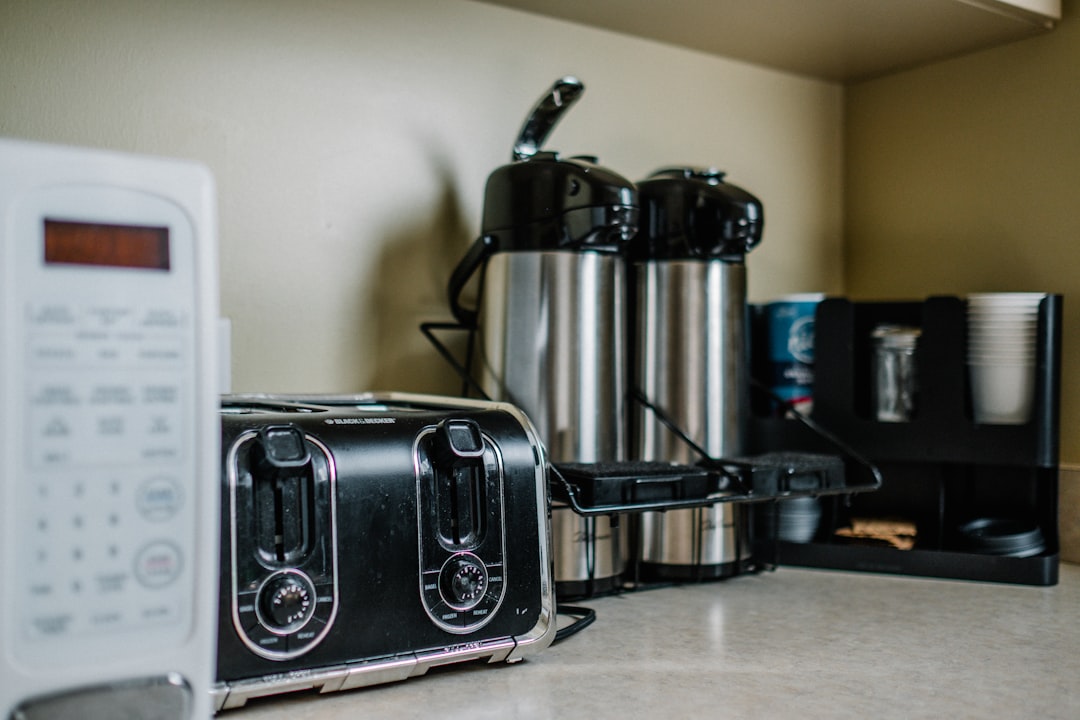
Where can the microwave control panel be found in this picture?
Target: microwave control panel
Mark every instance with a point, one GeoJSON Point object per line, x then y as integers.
{"type": "Point", "coordinates": [106, 373]}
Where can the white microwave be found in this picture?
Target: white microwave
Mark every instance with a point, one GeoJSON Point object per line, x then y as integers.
{"type": "Point", "coordinates": [109, 435]}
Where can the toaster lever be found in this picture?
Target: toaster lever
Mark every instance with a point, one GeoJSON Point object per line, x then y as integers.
{"type": "Point", "coordinates": [283, 485]}
{"type": "Point", "coordinates": [458, 464]}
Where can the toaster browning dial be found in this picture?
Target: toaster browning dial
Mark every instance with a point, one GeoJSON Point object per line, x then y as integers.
{"type": "Point", "coordinates": [463, 581]}
{"type": "Point", "coordinates": [286, 602]}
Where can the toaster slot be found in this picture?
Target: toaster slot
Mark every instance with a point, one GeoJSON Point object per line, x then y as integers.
{"type": "Point", "coordinates": [283, 482]}
{"type": "Point", "coordinates": [461, 500]}
{"type": "Point", "coordinates": [461, 479]}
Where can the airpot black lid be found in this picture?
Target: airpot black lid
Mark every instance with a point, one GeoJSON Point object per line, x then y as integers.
{"type": "Point", "coordinates": [545, 202]}
{"type": "Point", "coordinates": [691, 213]}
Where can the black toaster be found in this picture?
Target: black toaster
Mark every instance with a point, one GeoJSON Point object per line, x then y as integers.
{"type": "Point", "coordinates": [366, 539]}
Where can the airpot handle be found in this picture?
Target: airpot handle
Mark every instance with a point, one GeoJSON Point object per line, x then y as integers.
{"type": "Point", "coordinates": [540, 122]}
{"type": "Point", "coordinates": [478, 254]}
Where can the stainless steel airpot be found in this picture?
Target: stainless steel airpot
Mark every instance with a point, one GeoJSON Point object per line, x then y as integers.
{"type": "Point", "coordinates": [550, 316]}
{"type": "Point", "coordinates": [690, 355]}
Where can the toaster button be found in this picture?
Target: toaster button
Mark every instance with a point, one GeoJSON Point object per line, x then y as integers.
{"type": "Point", "coordinates": [303, 638]}
{"type": "Point", "coordinates": [478, 614]}
{"type": "Point", "coordinates": [266, 640]}
{"type": "Point", "coordinates": [245, 610]}
{"type": "Point", "coordinates": [494, 585]}
{"type": "Point", "coordinates": [447, 615]}
{"type": "Point", "coordinates": [324, 603]}
{"type": "Point", "coordinates": [495, 579]}
{"type": "Point", "coordinates": [430, 586]}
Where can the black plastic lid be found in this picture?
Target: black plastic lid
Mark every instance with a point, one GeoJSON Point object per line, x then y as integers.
{"type": "Point", "coordinates": [691, 213]}
{"type": "Point", "coordinates": [1003, 536]}
{"type": "Point", "coordinates": [544, 202]}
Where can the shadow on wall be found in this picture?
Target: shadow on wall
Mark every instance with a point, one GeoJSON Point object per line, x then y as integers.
{"type": "Point", "coordinates": [410, 287]}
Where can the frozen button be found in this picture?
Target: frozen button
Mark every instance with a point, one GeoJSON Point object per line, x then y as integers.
{"type": "Point", "coordinates": [447, 616]}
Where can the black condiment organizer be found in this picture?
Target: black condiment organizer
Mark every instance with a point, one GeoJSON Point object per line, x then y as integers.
{"type": "Point", "coordinates": [941, 468]}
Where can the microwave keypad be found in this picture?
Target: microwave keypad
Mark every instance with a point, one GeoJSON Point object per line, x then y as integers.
{"type": "Point", "coordinates": [103, 499]}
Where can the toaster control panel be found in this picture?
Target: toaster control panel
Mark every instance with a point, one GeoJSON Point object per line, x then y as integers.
{"type": "Point", "coordinates": [460, 492]}
{"type": "Point", "coordinates": [282, 512]}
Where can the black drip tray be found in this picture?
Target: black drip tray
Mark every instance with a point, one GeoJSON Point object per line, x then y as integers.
{"type": "Point", "coordinates": [627, 484]}
{"type": "Point", "coordinates": [603, 488]}
{"type": "Point", "coordinates": [780, 474]}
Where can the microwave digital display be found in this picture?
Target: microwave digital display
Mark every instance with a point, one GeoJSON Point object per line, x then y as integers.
{"type": "Point", "coordinates": [122, 246]}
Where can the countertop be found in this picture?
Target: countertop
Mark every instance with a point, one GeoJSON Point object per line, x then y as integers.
{"type": "Point", "coordinates": [783, 644]}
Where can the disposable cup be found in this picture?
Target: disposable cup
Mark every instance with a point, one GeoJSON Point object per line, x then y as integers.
{"type": "Point", "coordinates": [1005, 299]}
{"type": "Point", "coordinates": [973, 306]}
{"type": "Point", "coordinates": [992, 346]}
{"type": "Point", "coordinates": [1005, 319]}
{"type": "Point", "coordinates": [989, 307]}
{"type": "Point", "coordinates": [1002, 394]}
{"type": "Point", "coordinates": [994, 362]}
{"type": "Point", "coordinates": [1002, 333]}
{"type": "Point", "coordinates": [1002, 336]}
{"type": "Point", "coordinates": [990, 341]}
{"type": "Point", "coordinates": [999, 360]}
{"type": "Point", "coordinates": [1001, 343]}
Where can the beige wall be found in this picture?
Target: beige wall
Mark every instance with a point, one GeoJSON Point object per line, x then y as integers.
{"type": "Point", "coordinates": [351, 142]}
{"type": "Point", "coordinates": [963, 176]}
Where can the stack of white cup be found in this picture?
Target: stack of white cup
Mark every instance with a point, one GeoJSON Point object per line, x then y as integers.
{"type": "Point", "coordinates": [1002, 337]}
